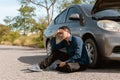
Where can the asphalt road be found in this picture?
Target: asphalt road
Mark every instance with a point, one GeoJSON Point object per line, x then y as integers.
{"type": "Point", "coordinates": [14, 60]}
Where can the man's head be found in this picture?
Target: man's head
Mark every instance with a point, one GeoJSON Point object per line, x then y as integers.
{"type": "Point", "coordinates": [64, 32]}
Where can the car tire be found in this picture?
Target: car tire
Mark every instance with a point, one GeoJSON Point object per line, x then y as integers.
{"type": "Point", "coordinates": [48, 48]}
{"type": "Point", "coordinates": [92, 52]}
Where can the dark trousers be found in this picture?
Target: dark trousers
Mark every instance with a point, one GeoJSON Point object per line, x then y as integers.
{"type": "Point", "coordinates": [58, 55]}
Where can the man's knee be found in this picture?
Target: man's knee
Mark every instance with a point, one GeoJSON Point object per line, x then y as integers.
{"type": "Point", "coordinates": [72, 67]}
{"type": "Point", "coordinates": [65, 69]}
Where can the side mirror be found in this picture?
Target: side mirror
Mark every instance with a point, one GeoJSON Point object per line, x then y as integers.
{"type": "Point", "coordinates": [74, 17]}
{"type": "Point", "coordinates": [77, 17]}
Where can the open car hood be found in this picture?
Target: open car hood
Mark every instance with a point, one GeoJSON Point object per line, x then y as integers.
{"type": "Point", "coordinates": [105, 4]}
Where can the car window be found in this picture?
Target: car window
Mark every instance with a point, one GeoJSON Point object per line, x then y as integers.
{"type": "Point", "coordinates": [72, 11]}
{"type": "Point", "coordinates": [61, 17]}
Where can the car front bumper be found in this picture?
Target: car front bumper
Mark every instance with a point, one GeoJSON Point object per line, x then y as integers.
{"type": "Point", "coordinates": [109, 45]}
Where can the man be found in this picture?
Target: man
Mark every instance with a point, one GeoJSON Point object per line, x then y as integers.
{"type": "Point", "coordinates": [75, 59]}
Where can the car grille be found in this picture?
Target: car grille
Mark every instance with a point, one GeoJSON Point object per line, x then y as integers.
{"type": "Point", "coordinates": [116, 49]}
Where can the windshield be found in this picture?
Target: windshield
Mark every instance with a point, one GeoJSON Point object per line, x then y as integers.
{"type": "Point", "coordinates": [87, 9]}
{"type": "Point", "coordinates": [108, 14]}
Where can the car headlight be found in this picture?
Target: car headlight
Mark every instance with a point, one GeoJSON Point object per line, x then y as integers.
{"type": "Point", "coordinates": [109, 25]}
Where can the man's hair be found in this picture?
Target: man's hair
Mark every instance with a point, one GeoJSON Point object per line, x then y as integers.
{"type": "Point", "coordinates": [65, 28]}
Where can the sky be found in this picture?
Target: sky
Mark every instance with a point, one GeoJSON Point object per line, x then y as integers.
{"type": "Point", "coordinates": [8, 8]}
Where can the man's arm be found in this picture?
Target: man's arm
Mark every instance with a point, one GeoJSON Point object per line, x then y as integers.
{"type": "Point", "coordinates": [53, 42]}
{"type": "Point", "coordinates": [78, 50]}
{"type": "Point", "coordinates": [56, 46]}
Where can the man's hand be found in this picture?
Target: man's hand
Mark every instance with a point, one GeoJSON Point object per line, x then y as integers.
{"type": "Point", "coordinates": [54, 35]}
{"type": "Point", "coordinates": [62, 64]}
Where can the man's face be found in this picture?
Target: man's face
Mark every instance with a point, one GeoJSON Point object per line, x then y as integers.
{"type": "Point", "coordinates": [63, 34]}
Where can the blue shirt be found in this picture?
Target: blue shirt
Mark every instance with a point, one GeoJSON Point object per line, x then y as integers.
{"type": "Point", "coordinates": [75, 49]}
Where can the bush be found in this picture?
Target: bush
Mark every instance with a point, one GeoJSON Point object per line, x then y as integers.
{"type": "Point", "coordinates": [4, 30]}
{"type": "Point", "coordinates": [41, 44]}
{"type": "Point", "coordinates": [14, 38]}
{"type": "Point", "coordinates": [6, 43]}
{"type": "Point", "coordinates": [10, 37]}
{"type": "Point", "coordinates": [31, 41]}
{"type": "Point", "coordinates": [37, 41]}
{"type": "Point", "coordinates": [17, 42]}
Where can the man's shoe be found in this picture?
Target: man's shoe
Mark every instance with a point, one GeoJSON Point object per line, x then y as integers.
{"type": "Point", "coordinates": [34, 68]}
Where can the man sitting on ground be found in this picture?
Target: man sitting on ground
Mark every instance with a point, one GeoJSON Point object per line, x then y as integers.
{"type": "Point", "coordinates": [75, 59]}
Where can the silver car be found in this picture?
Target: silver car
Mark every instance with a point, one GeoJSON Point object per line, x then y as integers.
{"type": "Point", "coordinates": [98, 26]}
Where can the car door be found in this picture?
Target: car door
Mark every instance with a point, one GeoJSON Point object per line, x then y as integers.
{"type": "Point", "coordinates": [74, 25]}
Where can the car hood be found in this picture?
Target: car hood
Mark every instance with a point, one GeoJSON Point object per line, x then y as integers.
{"type": "Point", "coordinates": [105, 4]}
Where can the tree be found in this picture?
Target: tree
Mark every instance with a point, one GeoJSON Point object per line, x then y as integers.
{"type": "Point", "coordinates": [39, 27]}
{"type": "Point", "coordinates": [89, 1]}
{"type": "Point", "coordinates": [9, 21]}
{"type": "Point", "coordinates": [48, 5]}
{"type": "Point", "coordinates": [65, 3]}
{"type": "Point", "coordinates": [24, 20]}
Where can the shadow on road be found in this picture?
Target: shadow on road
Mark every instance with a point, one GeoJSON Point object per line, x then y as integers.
{"type": "Point", "coordinates": [107, 67]}
{"type": "Point", "coordinates": [31, 59]}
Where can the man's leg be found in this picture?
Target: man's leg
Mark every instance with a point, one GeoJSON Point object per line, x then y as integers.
{"type": "Point", "coordinates": [55, 55]}
{"type": "Point", "coordinates": [72, 67]}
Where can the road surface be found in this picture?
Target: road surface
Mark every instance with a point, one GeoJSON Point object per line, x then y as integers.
{"type": "Point", "coordinates": [14, 60]}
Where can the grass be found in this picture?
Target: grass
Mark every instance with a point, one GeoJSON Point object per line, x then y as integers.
{"type": "Point", "coordinates": [31, 41]}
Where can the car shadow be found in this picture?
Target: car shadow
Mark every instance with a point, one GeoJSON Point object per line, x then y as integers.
{"type": "Point", "coordinates": [32, 59]}
{"type": "Point", "coordinates": [106, 67]}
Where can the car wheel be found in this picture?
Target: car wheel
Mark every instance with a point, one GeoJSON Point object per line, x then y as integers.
{"type": "Point", "coordinates": [48, 48]}
{"type": "Point", "coordinates": [92, 52]}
